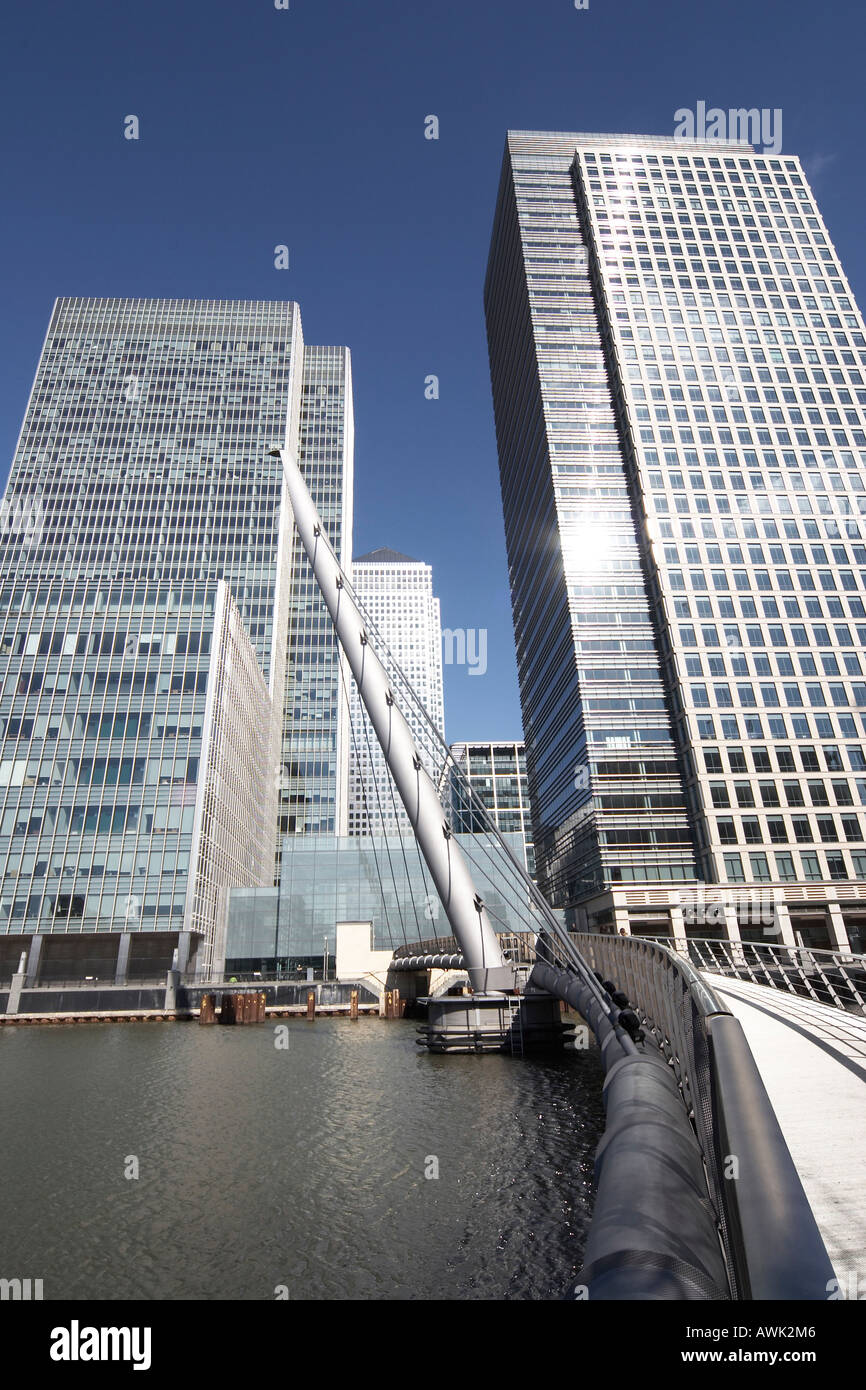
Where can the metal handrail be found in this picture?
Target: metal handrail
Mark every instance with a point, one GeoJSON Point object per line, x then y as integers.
{"type": "Point", "coordinates": [187, 980]}
{"type": "Point", "coordinates": [674, 1004]}
{"type": "Point", "coordinates": [835, 978]}
{"type": "Point", "coordinates": [93, 982]}
{"type": "Point", "coordinates": [769, 1236]}
{"type": "Point", "coordinates": [518, 946]}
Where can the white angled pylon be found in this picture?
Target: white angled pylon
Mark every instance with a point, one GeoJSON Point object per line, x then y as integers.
{"type": "Point", "coordinates": [444, 857]}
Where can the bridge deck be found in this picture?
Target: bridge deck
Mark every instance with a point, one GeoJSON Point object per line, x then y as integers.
{"type": "Point", "coordinates": [812, 1060]}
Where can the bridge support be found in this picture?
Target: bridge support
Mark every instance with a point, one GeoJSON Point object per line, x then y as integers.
{"type": "Point", "coordinates": [495, 1023]}
{"type": "Point", "coordinates": [445, 860]}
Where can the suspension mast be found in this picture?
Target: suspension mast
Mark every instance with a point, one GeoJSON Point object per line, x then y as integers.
{"type": "Point", "coordinates": [447, 863]}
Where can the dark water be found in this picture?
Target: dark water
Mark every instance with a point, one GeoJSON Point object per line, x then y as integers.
{"type": "Point", "coordinates": [302, 1167]}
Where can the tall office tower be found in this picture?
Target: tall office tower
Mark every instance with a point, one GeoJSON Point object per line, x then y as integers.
{"type": "Point", "coordinates": [677, 367]}
{"type": "Point", "coordinates": [145, 610]}
{"type": "Point", "coordinates": [496, 772]}
{"type": "Point", "coordinates": [315, 760]}
{"type": "Point", "coordinates": [397, 594]}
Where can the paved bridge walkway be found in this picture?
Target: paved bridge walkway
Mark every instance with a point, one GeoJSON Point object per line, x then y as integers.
{"type": "Point", "coordinates": [812, 1060]}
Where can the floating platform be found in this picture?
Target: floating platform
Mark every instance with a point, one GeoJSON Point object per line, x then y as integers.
{"type": "Point", "coordinates": [511, 1023]}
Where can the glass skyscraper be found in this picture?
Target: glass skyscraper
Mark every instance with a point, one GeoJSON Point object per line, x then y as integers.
{"type": "Point", "coordinates": [496, 772]}
{"type": "Point", "coordinates": [315, 761]}
{"type": "Point", "coordinates": [396, 592]}
{"type": "Point", "coordinates": [149, 616]}
{"type": "Point", "coordinates": [677, 363]}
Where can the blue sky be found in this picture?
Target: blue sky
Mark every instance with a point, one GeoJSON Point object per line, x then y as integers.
{"type": "Point", "coordinates": [306, 127]}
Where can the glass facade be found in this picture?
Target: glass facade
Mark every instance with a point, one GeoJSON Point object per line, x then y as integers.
{"type": "Point", "coordinates": [677, 363]}
{"type": "Point", "coordinates": [314, 776]}
{"type": "Point", "coordinates": [396, 593]}
{"type": "Point", "coordinates": [144, 627]}
{"type": "Point", "coordinates": [496, 772]}
{"type": "Point", "coordinates": [328, 879]}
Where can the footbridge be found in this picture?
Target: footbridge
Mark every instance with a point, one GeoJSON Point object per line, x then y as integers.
{"type": "Point", "coordinates": [701, 1193]}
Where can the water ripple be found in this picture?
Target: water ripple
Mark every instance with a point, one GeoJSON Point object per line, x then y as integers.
{"type": "Point", "coordinates": [303, 1167]}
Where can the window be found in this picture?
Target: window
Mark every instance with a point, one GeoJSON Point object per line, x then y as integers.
{"type": "Point", "coordinates": [836, 866]}
{"type": "Point", "coordinates": [785, 867]}
{"type": "Point", "coordinates": [827, 829]}
{"type": "Point", "coordinates": [719, 794]}
{"type": "Point", "coordinates": [794, 794]}
{"type": "Point", "coordinates": [734, 868]}
{"type": "Point", "coordinates": [760, 868]}
{"type": "Point", "coordinates": [811, 867]}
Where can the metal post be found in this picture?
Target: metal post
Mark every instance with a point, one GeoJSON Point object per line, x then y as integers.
{"type": "Point", "coordinates": [445, 860]}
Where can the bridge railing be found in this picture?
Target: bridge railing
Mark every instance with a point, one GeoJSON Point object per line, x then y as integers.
{"type": "Point", "coordinates": [836, 978]}
{"type": "Point", "coordinates": [674, 1004]}
{"type": "Point", "coordinates": [771, 1244]}
{"type": "Point", "coordinates": [519, 947]}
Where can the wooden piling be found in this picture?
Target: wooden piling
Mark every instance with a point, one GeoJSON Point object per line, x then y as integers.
{"type": "Point", "coordinates": [227, 1008]}
{"type": "Point", "coordinates": [207, 1012]}
{"type": "Point", "coordinates": [311, 1003]}
{"type": "Point", "coordinates": [243, 1006]}
{"type": "Point", "coordinates": [353, 1004]}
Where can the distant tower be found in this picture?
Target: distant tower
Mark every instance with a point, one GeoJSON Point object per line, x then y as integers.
{"type": "Point", "coordinates": [397, 593]}
{"type": "Point", "coordinates": [496, 771]}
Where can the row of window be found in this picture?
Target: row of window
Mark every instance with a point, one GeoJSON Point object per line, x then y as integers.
{"type": "Point", "coordinates": [751, 831]}
{"type": "Point", "coordinates": [794, 794]}
{"type": "Point", "coordinates": [732, 727]}
{"type": "Point", "coordinates": [784, 757]}
{"type": "Point", "coordinates": [812, 867]}
{"type": "Point", "coordinates": [748, 609]}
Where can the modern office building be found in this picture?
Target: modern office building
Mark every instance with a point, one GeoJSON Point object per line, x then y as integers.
{"type": "Point", "coordinates": [150, 612]}
{"type": "Point", "coordinates": [396, 592]}
{"type": "Point", "coordinates": [315, 761]}
{"type": "Point", "coordinates": [496, 773]}
{"type": "Point", "coordinates": [677, 363]}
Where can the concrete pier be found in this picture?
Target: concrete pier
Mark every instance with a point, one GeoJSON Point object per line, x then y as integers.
{"type": "Point", "coordinates": [495, 1023]}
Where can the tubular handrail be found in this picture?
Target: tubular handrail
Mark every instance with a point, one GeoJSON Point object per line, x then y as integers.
{"type": "Point", "coordinates": [771, 1243]}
